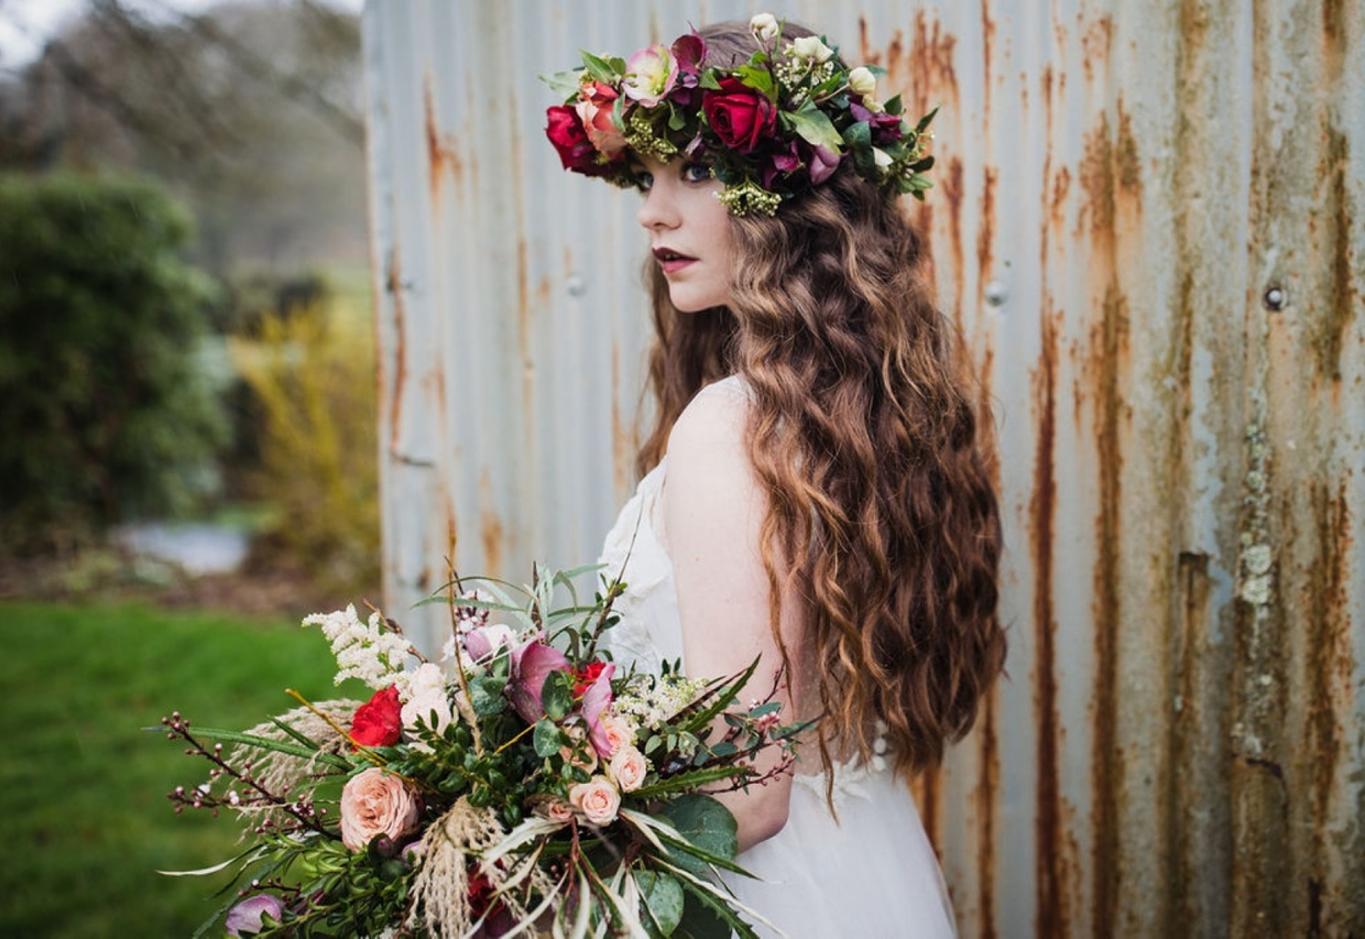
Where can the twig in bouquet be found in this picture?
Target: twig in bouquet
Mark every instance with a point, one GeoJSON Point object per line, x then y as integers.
{"type": "Point", "coordinates": [615, 588]}
{"type": "Point", "coordinates": [369, 754]}
{"type": "Point", "coordinates": [300, 810]}
{"type": "Point", "coordinates": [465, 703]}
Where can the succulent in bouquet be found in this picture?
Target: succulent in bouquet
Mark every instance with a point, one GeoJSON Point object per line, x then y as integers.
{"type": "Point", "coordinates": [521, 781]}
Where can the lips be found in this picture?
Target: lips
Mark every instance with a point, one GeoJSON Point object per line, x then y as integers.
{"type": "Point", "coordinates": [668, 254]}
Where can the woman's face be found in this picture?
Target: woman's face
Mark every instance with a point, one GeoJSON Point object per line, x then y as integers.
{"type": "Point", "coordinates": [680, 211]}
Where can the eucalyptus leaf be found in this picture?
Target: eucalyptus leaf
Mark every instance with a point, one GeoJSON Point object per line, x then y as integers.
{"type": "Point", "coordinates": [547, 738]}
{"type": "Point", "coordinates": [815, 127]}
{"type": "Point", "coordinates": [663, 896]}
{"type": "Point", "coordinates": [704, 822]}
{"type": "Point", "coordinates": [485, 694]}
{"type": "Point", "coordinates": [556, 695]}
{"type": "Point", "coordinates": [565, 83]}
{"type": "Point", "coordinates": [598, 67]}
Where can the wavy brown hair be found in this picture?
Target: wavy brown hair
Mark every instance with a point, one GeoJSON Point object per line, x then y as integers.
{"type": "Point", "coordinates": [863, 435]}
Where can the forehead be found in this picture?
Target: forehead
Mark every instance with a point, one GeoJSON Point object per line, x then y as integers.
{"type": "Point", "coordinates": [649, 163]}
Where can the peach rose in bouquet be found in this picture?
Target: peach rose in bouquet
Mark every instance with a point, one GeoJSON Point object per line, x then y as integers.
{"type": "Point", "coordinates": [376, 803]}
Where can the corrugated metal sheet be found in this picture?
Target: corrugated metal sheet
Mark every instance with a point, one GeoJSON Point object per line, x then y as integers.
{"type": "Point", "coordinates": [1148, 218]}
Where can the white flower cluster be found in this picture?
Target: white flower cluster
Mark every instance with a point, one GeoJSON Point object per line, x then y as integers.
{"type": "Point", "coordinates": [643, 707]}
{"type": "Point", "coordinates": [370, 652]}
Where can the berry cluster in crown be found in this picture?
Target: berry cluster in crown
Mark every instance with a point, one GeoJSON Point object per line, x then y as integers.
{"type": "Point", "coordinates": [769, 129]}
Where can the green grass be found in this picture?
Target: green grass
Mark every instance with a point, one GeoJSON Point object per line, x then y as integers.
{"type": "Point", "coordinates": [83, 789]}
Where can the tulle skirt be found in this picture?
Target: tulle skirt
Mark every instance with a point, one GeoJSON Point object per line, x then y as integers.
{"type": "Point", "coordinates": [872, 874]}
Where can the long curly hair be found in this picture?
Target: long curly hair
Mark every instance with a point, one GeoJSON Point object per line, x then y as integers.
{"type": "Point", "coordinates": [863, 435]}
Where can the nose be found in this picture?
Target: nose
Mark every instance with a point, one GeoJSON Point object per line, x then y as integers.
{"type": "Point", "coordinates": [659, 209]}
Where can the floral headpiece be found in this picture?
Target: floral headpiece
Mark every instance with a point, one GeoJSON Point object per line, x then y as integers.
{"type": "Point", "coordinates": [769, 129]}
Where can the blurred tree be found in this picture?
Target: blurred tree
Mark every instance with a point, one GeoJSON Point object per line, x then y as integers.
{"type": "Point", "coordinates": [109, 398]}
{"type": "Point", "coordinates": [249, 112]}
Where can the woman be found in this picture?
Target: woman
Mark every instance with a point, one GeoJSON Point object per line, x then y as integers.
{"type": "Point", "coordinates": [815, 490]}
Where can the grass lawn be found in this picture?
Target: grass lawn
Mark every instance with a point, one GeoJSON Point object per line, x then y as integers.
{"type": "Point", "coordinates": [83, 789]}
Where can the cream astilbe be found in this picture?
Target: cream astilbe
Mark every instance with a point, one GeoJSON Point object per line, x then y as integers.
{"type": "Point", "coordinates": [279, 773]}
{"type": "Point", "coordinates": [440, 891]}
{"type": "Point", "coordinates": [367, 650]}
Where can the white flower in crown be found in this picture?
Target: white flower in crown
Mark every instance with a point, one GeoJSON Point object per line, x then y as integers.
{"type": "Point", "coordinates": [764, 26]}
{"type": "Point", "coordinates": [812, 49]}
{"type": "Point", "coordinates": [861, 81]}
{"type": "Point", "coordinates": [882, 158]}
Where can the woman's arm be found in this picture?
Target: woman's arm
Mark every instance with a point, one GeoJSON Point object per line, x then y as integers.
{"type": "Point", "coordinates": [713, 511]}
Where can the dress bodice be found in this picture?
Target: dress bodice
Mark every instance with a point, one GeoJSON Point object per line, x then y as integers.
{"type": "Point", "coordinates": [649, 631]}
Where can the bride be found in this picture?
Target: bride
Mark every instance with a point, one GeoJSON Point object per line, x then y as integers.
{"type": "Point", "coordinates": [816, 492]}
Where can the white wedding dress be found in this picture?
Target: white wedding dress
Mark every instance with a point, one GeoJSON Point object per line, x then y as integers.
{"type": "Point", "coordinates": [871, 875]}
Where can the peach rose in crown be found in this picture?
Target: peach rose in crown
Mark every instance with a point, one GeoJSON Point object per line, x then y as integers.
{"type": "Point", "coordinates": [628, 768]}
{"type": "Point", "coordinates": [597, 799]}
{"type": "Point", "coordinates": [595, 102]}
{"type": "Point", "coordinates": [376, 803]}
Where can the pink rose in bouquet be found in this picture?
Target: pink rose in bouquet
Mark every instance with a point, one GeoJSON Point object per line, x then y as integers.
{"type": "Point", "coordinates": [597, 799]}
{"type": "Point", "coordinates": [376, 803]}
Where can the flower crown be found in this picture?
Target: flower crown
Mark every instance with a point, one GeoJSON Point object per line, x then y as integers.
{"type": "Point", "coordinates": [769, 129]}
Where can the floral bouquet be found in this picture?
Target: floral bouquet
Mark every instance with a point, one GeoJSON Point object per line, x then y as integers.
{"type": "Point", "coordinates": [519, 784]}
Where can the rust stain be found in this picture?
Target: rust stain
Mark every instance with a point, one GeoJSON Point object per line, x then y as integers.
{"type": "Point", "coordinates": [1110, 350]}
{"type": "Point", "coordinates": [442, 154]}
{"type": "Point", "coordinates": [1097, 38]}
{"type": "Point", "coordinates": [490, 526]}
{"type": "Point", "coordinates": [1329, 663]}
{"type": "Point", "coordinates": [1128, 166]}
{"type": "Point", "coordinates": [1050, 915]}
{"type": "Point", "coordinates": [1051, 902]}
{"type": "Point", "coordinates": [400, 358]}
{"type": "Point", "coordinates": [1061, 186]}
{"type": "Point", "coordinates": [523, 304]}
{"type": "Point", "coordinates": [452, 526]}
{"type": "Point", "coordinates": [985, 234]}
{"type": "Point", "coordinates": [1342, 266]}
{"type": "Point", "coordinates": [865, 51]}
{"type": "Point", "coordinates": [952, 195]}
{"type": "Point", "coordinates": [1097, 179]}
{"type": "Point", "coordinates": [1194, 588]}
{"type": "Point", "coordinates": [987, 43]}
{"type": "Point", "coordinates": [930, 68]}
{"type": "Point", "coordinates": [987, 789]}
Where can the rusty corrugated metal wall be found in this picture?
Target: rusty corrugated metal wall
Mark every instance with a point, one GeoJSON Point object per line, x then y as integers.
{"type": "Point", "coordinates": [1149, 217]}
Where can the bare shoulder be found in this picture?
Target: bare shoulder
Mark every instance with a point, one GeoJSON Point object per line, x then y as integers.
{"type": "Point", "coordinates": [712, 421]}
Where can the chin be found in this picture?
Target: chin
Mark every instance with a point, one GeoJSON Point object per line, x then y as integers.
{"type": "Point", "coordinates": [686, 301]}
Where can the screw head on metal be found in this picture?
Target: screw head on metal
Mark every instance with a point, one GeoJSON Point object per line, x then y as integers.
{"type": "Point", "coordinates": [995, 293]}
{"type": "Point", "coordinates": [1275, 298]}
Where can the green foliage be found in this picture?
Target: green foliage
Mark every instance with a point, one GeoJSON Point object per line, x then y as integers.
{"type": "Point", "coordinates": [108, 398]}
{"type": "Point", "coordinates": [708, 827]}
{"type": "Point", "coordinates": [311, 371]}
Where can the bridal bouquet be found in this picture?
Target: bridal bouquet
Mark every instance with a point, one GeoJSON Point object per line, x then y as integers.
{"type": "Point", "coordinates": [519, 784]}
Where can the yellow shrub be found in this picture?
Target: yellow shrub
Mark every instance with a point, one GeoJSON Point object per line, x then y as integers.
{"type": "Point", "coordinates": [313, 373]}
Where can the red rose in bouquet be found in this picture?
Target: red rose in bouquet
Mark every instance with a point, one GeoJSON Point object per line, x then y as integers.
{"type": "Point", "coordinates": [584, 677]}
{"type": "Point", "coordinates": [379, 721]}
{"type": "Point", "coordinates": [740, 116]}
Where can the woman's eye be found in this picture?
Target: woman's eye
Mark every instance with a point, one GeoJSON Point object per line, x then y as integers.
{"type": "Point", "coordinates": [705, 172]}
